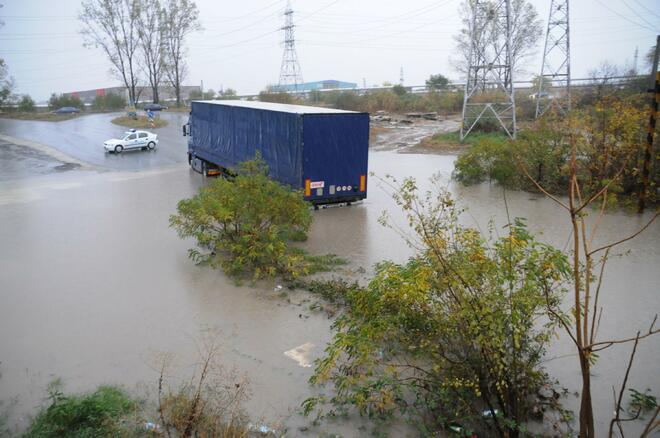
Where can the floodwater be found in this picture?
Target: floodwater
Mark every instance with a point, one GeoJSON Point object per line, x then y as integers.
{"type": "Point", "coordinates": [95, 287]}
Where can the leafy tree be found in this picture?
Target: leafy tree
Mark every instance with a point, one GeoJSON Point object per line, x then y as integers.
{"type": "Point", "coordinates": [436, 82]}
{"type": "Point", "coordinates": [202, 95]}
{"type": "Point", "coordinates": [399, 90]}
{"type": "Point", "coordinates": [244, 225]}
{"type": "Point", "coordinates": [26, 104]}
{"type": "Point", "coordinates": [60, 100]}
{"type": "Point", "coordinates": [542, 82]}
{"type": "Point", "coordinates": [6, 83]}
{"type": "Point", "coordinates": [227, 94]}
{"type": "Point", "coordinates": [455, 335]}
{"type": "Point", "coordinates": [180, 19]}
{"type": "Point", "coordinates": [108, 102]}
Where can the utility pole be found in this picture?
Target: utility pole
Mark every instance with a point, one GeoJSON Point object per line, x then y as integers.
{"type": "Point", "coordinates": [556, 65]}
{"type": "Point", "coordinates": [489, 94]}
{"type": "Point", "coordinates": [290, 73]}
{"type": "Point", "coordinates": [653, 113]}
{"type": "Point", "coordinates": [401, 76]}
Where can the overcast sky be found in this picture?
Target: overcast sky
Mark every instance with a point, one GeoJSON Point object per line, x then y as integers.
{"type": "Point", "coordinates": [350, 40]}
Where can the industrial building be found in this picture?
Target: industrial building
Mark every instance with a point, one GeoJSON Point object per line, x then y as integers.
{"type": "Point", "coordinates": [165, 93]}
{"type": "Point", "coordinates": [306, 87]}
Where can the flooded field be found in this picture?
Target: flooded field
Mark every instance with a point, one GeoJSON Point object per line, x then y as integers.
{"type": "Point", "coordinates": [95, 287]}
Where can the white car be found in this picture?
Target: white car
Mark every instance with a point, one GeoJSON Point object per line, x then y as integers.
{"type": "Point", "coordinates": [132, 140]}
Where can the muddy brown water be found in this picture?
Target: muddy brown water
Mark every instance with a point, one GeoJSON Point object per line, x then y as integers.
{"type": "Point", "coordinates": [94, 287]}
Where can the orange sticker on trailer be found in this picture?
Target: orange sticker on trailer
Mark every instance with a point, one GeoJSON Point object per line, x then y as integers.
{"type": "Point", "coordinates": [308, 188]}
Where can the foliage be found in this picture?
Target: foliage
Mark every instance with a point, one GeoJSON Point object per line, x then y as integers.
{"type": "Point", "coordinates": [26, 104]}
{"type": "Point", "coordinates": [139, 122]}
{"type": "Point", "coordinates": [151, 34]}
{"type": "Point", "coordinates": [202, 95]}
{"type": "Point", "coordinates": [246, 224]}
{"type": "Point", "coordinates": [399, 90]}
{"type": "Point", "coordinates": [61, 100]}
{"type": "Point", "coordinates": [457, 329]}
{"type": "Point", "coordinates": [227, 94]}
{"type": "Point", "coordinates": [209, 405]}
{"type": "Point", "coordinates": [108, 102]}
{"type": "Point", "coordinates": [641, 402]}
{"type": "Point", "coordinates": [445, 102]}
{"type": "Point", "coordinates": [6, 84]}
{"type": "Point", "coordinates": [276, 97]}
{"type": "Point", "coordinates": [88, 415]}
{"type": "Point", "coordinates": [437, 82]}
{"type": "Point", "coordinates": [180, 19]}
{"type": "Point", "coordinates": [608, 136]}
{"type": "Point", "coordinates": [113, 27]}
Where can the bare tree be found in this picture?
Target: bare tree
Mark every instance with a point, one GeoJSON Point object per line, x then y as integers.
{"type": "Point", "coordinates": [113, 26]}
{"type": "Point", "coordinates": [588, 267]}
{"type": "Point", "coordinates": [526, 30]}
{"type": "Point", "coordinates": [181, 18]}
{"type": "Point", "coordinates": [152, 42]}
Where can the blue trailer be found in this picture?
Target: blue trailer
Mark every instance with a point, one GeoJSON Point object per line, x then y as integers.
{"type": "Point", "coordinates": [324, 152]}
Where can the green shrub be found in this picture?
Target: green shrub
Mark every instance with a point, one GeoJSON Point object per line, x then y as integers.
{"type": "Point", "coordinates": [88, 415]}
{"type": "Point", "coordinates": [108, 102]}
{"type": "Point", "coordinates": [26, 104]}
{"type": "Point", "coordinates": [60, 100]}
{"type": "Point", "coordinates": [452, 333]}
{"type": "Point", "coordinates": [246, 224]}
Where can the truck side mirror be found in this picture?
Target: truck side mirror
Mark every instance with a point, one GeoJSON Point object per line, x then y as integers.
{"type": "Point", "coordinates": [186, 130]}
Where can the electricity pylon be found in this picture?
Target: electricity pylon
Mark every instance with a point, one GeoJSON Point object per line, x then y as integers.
{"type": "Point", "coordinates": [290, 73]}
{"type": "Point", "coordinates": [489, 86]}
{"type": "Point", "coordinates": [556, 65]}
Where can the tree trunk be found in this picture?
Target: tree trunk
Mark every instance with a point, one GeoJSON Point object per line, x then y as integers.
{"type": "Point", "coordinates": [586, 405]}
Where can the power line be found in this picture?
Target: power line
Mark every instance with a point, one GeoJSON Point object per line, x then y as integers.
{"type": "Point", "coordinates": [623, 16]}
{"type": "Point", "coordinates": [636, 13]}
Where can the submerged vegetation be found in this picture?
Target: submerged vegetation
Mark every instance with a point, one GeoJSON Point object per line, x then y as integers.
{"type": "Point", "coordinates": [246, 225]}
{"type": "Point", "coordinates": [453, 338]}
{"type": "Point", "coordinates": [608, 137]}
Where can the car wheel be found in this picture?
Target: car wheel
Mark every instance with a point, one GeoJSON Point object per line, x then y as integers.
{"type": "Point", "coordinates": [118, 149]}
{"type": "Point", "coordinates": [151, 145]}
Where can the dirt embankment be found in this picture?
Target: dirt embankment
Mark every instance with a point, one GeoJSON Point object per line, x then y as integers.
{"type": "Point", "coordinates": [415, 136]}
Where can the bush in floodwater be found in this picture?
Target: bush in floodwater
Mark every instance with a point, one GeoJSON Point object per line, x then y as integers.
{"type": "Point", "coordinates": [88, 415]}
{"type": "Point", "coordinates": [245, 225]}
{"type": "Point", "coordinates": [454, 338]}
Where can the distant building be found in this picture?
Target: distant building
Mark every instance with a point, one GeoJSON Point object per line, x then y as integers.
{"type": "Point", "coordinates": [310, 86]}
{"type": "Point", "coordinates": [165, 93]}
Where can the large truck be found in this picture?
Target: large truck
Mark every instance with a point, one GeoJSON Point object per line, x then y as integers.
{"type": "Point", "coordinates": [321, 151]}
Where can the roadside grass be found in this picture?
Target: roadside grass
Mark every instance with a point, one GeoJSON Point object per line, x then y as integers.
{"type": "Point", "coordinates": [142, 122]}
{"type": "Point", "coordinates": [450, 141]}
{"type": "Point", "coordinates": [46, 117]}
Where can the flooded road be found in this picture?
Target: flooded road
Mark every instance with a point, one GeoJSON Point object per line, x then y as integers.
{"type": "Point", "coordinates": [82, 138]}
{"type": "Point", "coordinates": [94, 285]}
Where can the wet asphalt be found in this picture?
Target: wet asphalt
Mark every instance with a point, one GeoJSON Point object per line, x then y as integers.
{"type": "Point", "coordinates": [82, 139]}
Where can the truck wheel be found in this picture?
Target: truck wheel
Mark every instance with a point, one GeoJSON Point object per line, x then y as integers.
{"type": "Point", "coordinates": [118, 149]}
{"type": "Point", "coordinates": [205, 169]}
{"type": "Point", "coordinates": [189, 159]}
{"type": "Point", "coordinates": [151, 145]}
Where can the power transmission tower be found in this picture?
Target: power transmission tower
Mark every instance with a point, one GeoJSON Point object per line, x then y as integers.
{"type": "Point", "coordinates": [290, 73]}
{"type": "Point", "coordinates": [556, 65]}
{"type": "Point", "coordinates": [489, 86]}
